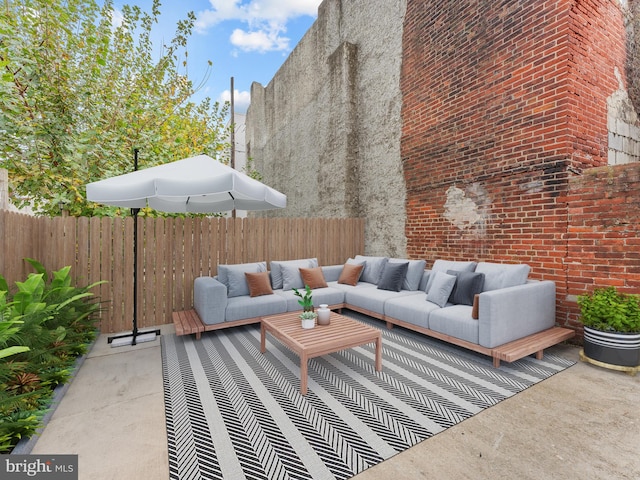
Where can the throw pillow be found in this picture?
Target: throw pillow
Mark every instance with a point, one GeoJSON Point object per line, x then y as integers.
{"type": "Point", "coordinates": [233, 277]}
{"type": "Point", "coordinates": [392, 276]}
{"type": "Point", "coordinates": [223, 270]}
{"type": "Point", "coordinates": [475, 310]}
{"type": "Point", "coordinates": [414, 273]}
{"type": "Point", "coordinates": [444, 265]}
{"type": "Point", "coordinates": [259, 284]}
{"type": "Point", "coordinates": [276, 269]}
{"type": "Point", "coordinates": [441, 288]}
{"type": "Point", "coordinates": [468, 284]}
{"type": "Point", "coordinates": [313, 277]}
{"type": "Point", "coordinates": [350, 274]}
{"type": "Point", "coordinates": [372, 268]}
{"type": "Point", "coordinates": [291, 277]}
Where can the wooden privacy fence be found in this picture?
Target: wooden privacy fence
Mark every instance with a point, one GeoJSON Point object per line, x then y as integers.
{"type": "Point", "coordinates": [172, 252]}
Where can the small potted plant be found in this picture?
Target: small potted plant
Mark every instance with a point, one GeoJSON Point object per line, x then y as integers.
{"type": "Point", "coordinates": [305, 300]}
{"type": "Point", "coordinates": [611, 322]}
{"type": "Point", "coordinates": [308, 316]}
{"type": "Point", "coordinates": [308, 319]}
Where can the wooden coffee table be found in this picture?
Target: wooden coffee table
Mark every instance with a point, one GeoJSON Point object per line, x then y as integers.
{"type": "Point", "coordinates": [340, 334]}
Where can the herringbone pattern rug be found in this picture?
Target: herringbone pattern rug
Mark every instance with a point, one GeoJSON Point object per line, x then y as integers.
{"type": "Point", "coordinates": [234, 413]}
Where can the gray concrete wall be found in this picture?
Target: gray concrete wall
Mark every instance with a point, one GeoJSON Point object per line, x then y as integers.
{"type": "Point", "coordinates": [326, 129]}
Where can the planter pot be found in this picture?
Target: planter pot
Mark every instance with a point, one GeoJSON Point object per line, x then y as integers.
{"type": "Point", "coordinates": [308, 323]}
{"type": "Point", "coordinates": [621, 349]}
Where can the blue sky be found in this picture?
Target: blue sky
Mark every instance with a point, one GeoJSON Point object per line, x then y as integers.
{"type": "Point", "coordinates": [245, 39]}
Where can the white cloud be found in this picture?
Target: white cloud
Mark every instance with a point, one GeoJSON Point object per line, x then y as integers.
{"type": "Point", "coordinates": [261, 41]}
{"type": "Point", "coordinates": [241, 100]}
{"type": "Point", "coordinates": [266, 20]}
{"type": "Point", "coordinates": [116, 18]}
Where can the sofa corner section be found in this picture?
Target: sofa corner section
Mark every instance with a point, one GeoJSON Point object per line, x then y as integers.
{"type": "Point", "coordinates": [511, 313]}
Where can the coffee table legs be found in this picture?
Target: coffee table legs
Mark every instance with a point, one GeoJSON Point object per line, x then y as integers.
{"type": "Point", "coordinates": [379, 353]}
{"type": "Point", "coordinates": [304, 359]}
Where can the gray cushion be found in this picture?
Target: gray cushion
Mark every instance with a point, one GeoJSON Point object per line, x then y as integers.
{"type": "Point", "coordinates": [455, 321]}
{"type": "Point", "coordinates": [232, 276]}
{"type": "Point", "coordinates": [468, 284]}
{"type": "Point", "coordinates": [276, 269]}
{"type": "Point", "coordinates": [414, 273]}
{"type": "Point", "coordinates": [411, 309]}
{"type": "Point", "coordinates": [328, 295]}
{"type": "Point", "coordinates": [500, 275]}
{"type": "Point", "coordinates": [392, 276]}
{"type": "Point", "coordinates": [441, 288]}
{"type": "Point", "coordinates": [291, 277]}
{"type": "Point", "coordinates": [444, 265]}
{"type": "Point", "coordinates": [239, 308]}
{"type": "Point", "coordinates": [372, 268]}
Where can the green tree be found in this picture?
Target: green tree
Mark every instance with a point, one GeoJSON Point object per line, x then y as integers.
{"type": "Point", "coordinates": [78, 94]}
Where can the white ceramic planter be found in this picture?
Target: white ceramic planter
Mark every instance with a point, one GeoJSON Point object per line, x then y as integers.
{"type": "Point", "coordinates": [308, 323]}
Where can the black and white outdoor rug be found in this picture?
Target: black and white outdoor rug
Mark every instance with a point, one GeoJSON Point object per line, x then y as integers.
{"type": "Point", "coordinates": [234, 413]}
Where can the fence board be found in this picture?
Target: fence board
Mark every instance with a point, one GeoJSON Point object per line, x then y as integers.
{"type": "Point", "coordinates": [172, 252]}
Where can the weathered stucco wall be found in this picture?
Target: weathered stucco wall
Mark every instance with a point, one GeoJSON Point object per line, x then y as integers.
{"type": "Point", "coordinates": [326, 129]}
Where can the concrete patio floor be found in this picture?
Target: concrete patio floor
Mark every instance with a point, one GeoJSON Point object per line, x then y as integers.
{"type": "Point", "coordinates": [581, 423]}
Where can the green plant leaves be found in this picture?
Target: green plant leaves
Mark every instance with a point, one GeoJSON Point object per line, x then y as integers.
{"type": "Point", "coordinates": [43, 328]}
{"type": "Point", "coordinates": [608, 310]}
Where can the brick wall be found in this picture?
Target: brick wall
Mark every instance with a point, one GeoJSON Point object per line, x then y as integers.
{"type": "Point", "coordinates": [505, 102]}
{"type": "Point", "coordinates": [604, 230]}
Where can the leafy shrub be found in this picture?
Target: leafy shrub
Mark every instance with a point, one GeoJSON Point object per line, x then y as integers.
{"type": "Point", "coordinates": [44, 327]}
{"type": "Point", "coordinates": [608, 310]}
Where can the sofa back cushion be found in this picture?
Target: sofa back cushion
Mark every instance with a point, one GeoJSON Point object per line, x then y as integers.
{"type": "Point", "coordinates": [444, 265]}
{"type": "Point", "coordinates": [232, 276]}
{"type": "Point", "coordinates": [372, 267]}
{"type": "Point", "coordinates": [276, 270]}
{"type": "Point", "coordinates": [502, 275]}
{"type": "Point", "coordinates": [414, 273]}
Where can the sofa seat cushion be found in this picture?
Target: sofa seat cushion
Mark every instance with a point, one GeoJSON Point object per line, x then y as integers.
{"type": "Point", "coordinates": [412, 309]}
{"type": "Point", "coordinates": [328, 295]}
{"type": "Point", "coordinates": [456, 321]}
{"type": "Point", "coordinates": [373, 299]}
{"type": "Point", "coordinates": [239, 308]}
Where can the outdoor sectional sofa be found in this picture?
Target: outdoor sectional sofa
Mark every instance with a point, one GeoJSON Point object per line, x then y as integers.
{"type": "Point", "coordinates": [491, 308]}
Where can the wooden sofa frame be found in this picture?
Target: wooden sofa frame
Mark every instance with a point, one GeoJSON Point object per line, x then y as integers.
{"type": "Point", "coordinates": [188, 322]}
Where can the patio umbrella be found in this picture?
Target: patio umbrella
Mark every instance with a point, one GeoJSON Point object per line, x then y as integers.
{"type": "Point", "coordinates": [194, 185]}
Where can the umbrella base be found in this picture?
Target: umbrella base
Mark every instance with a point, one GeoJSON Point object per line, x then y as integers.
{"type": "Point", "coordinates": [129, 339]}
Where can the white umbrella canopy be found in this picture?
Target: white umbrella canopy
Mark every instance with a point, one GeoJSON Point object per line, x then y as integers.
{"type": "Point", "coordinates": [194, 185]}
